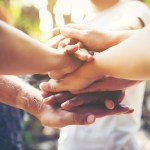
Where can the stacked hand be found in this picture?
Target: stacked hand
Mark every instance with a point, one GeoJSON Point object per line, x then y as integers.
{"type": "Point", "coordinates": [106, 94]}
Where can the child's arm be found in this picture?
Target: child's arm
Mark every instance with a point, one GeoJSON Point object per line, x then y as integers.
{"type": "Point", "coordinates": [20, 54]}
{"type": "Point", "coordinates": [129, 60]}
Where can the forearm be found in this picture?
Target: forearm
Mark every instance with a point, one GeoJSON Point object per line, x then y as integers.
{"type": "Point", "coordinates": [129, 59]}
{"type": "Point", "coordinates": [115, 37]}
{"type": "Point", "coordinates": [16, 93]}
{"type": "Point", "coordinates": [20, 54]}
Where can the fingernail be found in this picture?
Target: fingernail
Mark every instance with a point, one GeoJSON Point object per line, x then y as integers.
{"type": "Point", "coordinates": [124, 106]}
{"type": "Point", "coordinates": [44, 86]}
{"type": "Point", "coordinates": [90, 118]}
{"type": "Point", "coordinates": [130, 111]}
{"type": "Point", "coordinates": [65, 104]}
{"type": "Point", "coordinates": [109, 104]}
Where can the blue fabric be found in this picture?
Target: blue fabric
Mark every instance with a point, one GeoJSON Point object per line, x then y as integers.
{"type": "Point", "coordinates": [10, 128]}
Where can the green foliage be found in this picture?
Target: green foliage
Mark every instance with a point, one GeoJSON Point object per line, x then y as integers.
{"type": "Point", "coordinates": [147, 2]}
{"type": "Point", "coordinates": [24, 18]}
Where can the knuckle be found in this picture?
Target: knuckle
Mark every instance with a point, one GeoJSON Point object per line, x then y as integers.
{"type": "Point", "coordinates": [79, 119]}
{"type": "Point", "coordinates": [70, 32]}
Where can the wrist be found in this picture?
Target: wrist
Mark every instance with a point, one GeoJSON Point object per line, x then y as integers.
{"type": "Point", "coordinates": [30, 100]}
{"type": "Point", "coordinates": [94, 72]}
{"type": "Point", "coordinates": [115, 37]}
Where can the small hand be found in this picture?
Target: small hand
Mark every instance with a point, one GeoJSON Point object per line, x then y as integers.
{"type": "Point", "coordinates": [78, 80]}
{"type": "Point", "coordinates": [68, 44]}
{"type": "Point", "coordinates": [68, 83]}
{"type": "Point", "coordinates": [93, 39]}
{"type": "Point", "coordinates": [81, 54]}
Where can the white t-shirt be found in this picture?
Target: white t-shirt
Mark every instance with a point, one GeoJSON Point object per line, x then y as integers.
{"type": "Point", "coordinates": [112, 132]}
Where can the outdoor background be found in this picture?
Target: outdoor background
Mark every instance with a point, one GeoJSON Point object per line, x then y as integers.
{"type": "Point", "coordinates": [37, 18]}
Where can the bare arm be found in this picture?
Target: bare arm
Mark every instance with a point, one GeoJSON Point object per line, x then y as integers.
{"type": "Point", "coordinates": [15, 92]}
{"type": "Point", "coordinates": [20, 54]}
{"type": "Point", "coordinates": [94, 38]}
{"type": "Point", "coordinates": [128, 60]}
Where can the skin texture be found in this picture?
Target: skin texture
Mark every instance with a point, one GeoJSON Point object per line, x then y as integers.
{"type": "Point", "coordinates": [22, 50]}
{"type": "Point", "coordinates": [103, 39]}
{"type": "Point", "coordinates": [102, 85]}
{"type": "Point", "coordinates": [97, 40]}
{"type": "Point", "coordinates": [23, 96]}
{"type": "Point", "coordinates": [98, 67]}
{"type": "Point", "coordinates": [69, 101]}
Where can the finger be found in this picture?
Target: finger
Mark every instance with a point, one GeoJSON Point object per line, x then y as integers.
{"type": "Point", "coordinates": [57, 30]}
{"type": "Point", "coordinates": [116, 96]}
{"type": "Point", "coordinates": [76, 26]}
{"type": "Point", "coordinates": [72, 33]}
{"type": "Point", "coordinates": [109, 104]}
{"type": "Point", "coordinates": [130, 111]}
{"type": "Point", "coordinates": [57, 74]}
{"type": "Point", "coordinates": [57, 98]}
{"type": "Point", "coordinates": [54, 42]}
{"type": "Point", "coordinates": [83, 99]}
{"type": "Point", "coordinates": [82, 56]}
{"type": "Point", "coordinates": [75, 118]}
{"type": "Point", "coordinates": [73, 48]}
{"type": "Point", "coordinates": [110, 99]}
{"type": "Point", "coordinates": [100, 111]}
{"type": "Point", "coordinates": [61, 118]}
{"type": "Point", "coordinates": [68, 41]}
{"type": "Point", "coordinates": [102, 85]}
{"type": "Point", "coordinates": [46, 94]}
{"type": "Point", "coordinates": [113, 99]}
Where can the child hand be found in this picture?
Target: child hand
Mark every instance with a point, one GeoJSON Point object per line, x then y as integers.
{"type": "Point", "coordinates": [71, 47]}
{"type": "Point", "coordinates": [96, 40]}
{"type": "Point", "coordinates": [81, 54]}
{"type": "Point", "coordinates": [72, 82]}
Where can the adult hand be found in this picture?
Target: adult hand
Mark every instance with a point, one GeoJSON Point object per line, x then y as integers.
{"type": "Point", "coordinates": [54, 116]}
{"type": "Point", "coordinates": [69, 101]}
{"type": "Point", "coordinates": [89, 102]}
{"type": "Point", "coordinates": [108, 84]}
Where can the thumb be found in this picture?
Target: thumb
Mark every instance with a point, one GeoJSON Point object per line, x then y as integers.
{"type": "Point", "coordinates": [73, 33]}
{"type": "Point", "coordinates": [52, 86]}
{"type": "Point", "coordinates": [82, 119]}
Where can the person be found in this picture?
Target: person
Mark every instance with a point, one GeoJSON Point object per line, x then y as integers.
{"type": "Point", "coordinates": [122, 134]}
